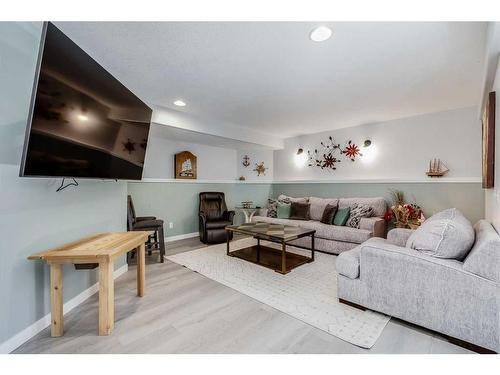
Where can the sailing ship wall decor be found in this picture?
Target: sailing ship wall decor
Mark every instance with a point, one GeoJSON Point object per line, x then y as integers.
{"type": "Point", "coordinates": [437, 168]}
{"type": "Point", "coordinates": [185, 165]}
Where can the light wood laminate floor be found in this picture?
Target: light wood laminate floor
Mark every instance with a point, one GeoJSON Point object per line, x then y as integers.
{"type": "Point", "coordinates": [185, 312]}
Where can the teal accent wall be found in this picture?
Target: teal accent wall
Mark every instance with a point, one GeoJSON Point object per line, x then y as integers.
{"type": "Point", "coordinates": [432, 197]}
{"type": "Point", "coordinates": [177, 202]}
{"type": "Point", "coordinates": [33, 217]}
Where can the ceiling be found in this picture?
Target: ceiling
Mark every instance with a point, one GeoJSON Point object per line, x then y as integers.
{"type": "Point", "coordinates": [272, 78]}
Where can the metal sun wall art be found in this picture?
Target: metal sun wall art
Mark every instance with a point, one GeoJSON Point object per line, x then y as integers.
{"type": "Point", "coordinates": [329, 156]}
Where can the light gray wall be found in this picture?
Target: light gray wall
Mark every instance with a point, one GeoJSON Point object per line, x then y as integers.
{"type": "Point", "coordinates": [177, 202]}
{"type": "Point", "coordinates": [33, 217]}
{"type": "Point", "coordinates": [402, 149]}
{"type": "Point", "coordinates": [432, 197]}
{"type": "Point", "coordinates": [213, 163]}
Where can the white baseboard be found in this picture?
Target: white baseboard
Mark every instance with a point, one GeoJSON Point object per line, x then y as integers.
{"type": "Point", "coordinates": [27, 333]}
{"type": "Point", "coordinates": [181, 237]}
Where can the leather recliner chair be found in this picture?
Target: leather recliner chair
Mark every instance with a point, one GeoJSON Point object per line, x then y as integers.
{"type": "Point", "coordinates": [214, 217]}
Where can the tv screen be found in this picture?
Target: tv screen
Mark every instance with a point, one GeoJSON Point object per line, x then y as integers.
{"type": "Point", "coordinates": [83, 121]}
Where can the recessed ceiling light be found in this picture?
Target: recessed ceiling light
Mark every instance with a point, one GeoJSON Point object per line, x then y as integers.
{"type": "Point", "coordinates": [82, 117]}
{"type": "Point", "coordinates": [179, 103]}
{"type": "Point", "coordinates": [320, 34]}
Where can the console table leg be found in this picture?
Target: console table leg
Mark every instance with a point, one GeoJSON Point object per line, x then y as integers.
{"type": "Point", "coordinates": [106, 298]}
{"type": "Point", "coordinates": [56, 300]}
{"type": "Point", "coordinates": [227, 242]}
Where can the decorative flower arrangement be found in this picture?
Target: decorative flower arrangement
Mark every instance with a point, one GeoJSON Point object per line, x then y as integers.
{"type": "Point", "coordinates": [402, 214]}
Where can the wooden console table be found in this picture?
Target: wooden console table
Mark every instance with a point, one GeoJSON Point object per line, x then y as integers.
{"type": "Point", "coordinates": [101, 249]}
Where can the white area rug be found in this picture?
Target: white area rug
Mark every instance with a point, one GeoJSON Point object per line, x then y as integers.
{"type": "Point", "coordinates": [308, 293]}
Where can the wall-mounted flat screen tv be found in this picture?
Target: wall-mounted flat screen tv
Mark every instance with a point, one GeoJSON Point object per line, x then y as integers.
{"type": "Point", "coordinates": [83, 122]}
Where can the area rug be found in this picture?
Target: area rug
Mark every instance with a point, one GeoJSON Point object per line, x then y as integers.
{"type": "Point", "coordinates": [308, 293]}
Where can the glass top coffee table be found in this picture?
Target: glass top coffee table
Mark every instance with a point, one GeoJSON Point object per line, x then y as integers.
{"type": "Point", "coordinates": [278, 260]}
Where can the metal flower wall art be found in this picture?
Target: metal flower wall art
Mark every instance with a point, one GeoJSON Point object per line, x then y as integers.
{"type": "Point", "coordinates": [327, 157]}
{"type": "Point", "coordinates": [351, 151]}
{"type": "Point", "coordinates": [330, 153]}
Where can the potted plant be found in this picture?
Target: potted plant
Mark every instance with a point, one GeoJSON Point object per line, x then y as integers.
{"type": "Point", "coordinates": [402, 214]}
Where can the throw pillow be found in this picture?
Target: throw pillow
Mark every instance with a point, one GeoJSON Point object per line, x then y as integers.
{"type": "Point", "coordinates": [329, 213]}
{"type": "Point", "coordinates": [341, 216]}
{"type": "Point", "coordinates": [318, 206]}
{"type": "Point", "coordinates": [272, 207]}
{"type": "Point", "coordinates": [283, 210]}
{"type": "Point", "coordinates": [299, 211]}
{"type": "Point", "coordinates": [448, 235]}
{"type": "Point", "coordinates": [357, 212]}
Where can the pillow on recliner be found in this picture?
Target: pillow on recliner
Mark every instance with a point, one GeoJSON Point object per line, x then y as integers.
{"type": "Point", "coordinates": [447, 234]}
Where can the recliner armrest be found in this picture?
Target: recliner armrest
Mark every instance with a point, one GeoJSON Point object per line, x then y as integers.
{"type": "Point", "coordinates": [399, 236]}
{"type": "Point", "coordinates": [228, 216]}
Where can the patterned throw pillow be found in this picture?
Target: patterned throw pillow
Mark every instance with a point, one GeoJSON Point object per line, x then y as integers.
{"type": "Point", "coordinates": [357, 212]}
{"type": "Point", "coordinates": [272, 205]}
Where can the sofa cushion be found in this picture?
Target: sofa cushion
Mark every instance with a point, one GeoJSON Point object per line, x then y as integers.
{"type": "Point", "coordinates": [325, 231]}
{"type": "Point", "coordinates": [299, 211]}
{"type": "Point", "coordinates": [378, 204]}
{"type": "Point", "coordinates": [484, 258]}
{"type": "Point", "coordinates": [357, 212]}
{"type": "Point", "coordinates": [449, 236]}
{"type": "Point", "coordinates": [318, 206]}
{"type": "Point", "coordinates": [329, 213]}
{"type": "Point", "coordinates": [342, 216]}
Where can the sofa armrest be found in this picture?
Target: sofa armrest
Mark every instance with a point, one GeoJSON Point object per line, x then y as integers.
{"type": "Point", "coordinates": [376, 225]}
{"type": "Point", "coordinates": [399, 236]}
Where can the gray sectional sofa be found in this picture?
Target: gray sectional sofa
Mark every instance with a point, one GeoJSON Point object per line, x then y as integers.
{"type": "Point", "coordinates": [332, 238]}
{"type": "Point", "coordinates": [445, 276]}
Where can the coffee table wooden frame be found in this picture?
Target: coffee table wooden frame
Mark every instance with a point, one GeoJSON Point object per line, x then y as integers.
{"type": "Point", "coordinates": [261, 255]}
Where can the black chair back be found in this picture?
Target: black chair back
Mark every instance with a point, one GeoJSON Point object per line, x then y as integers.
{"type": "Point", "coordinates": [212, 204]}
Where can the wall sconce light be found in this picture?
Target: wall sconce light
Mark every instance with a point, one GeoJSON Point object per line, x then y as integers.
{"type": "Point", "coordinates": [369, 152]}
{"type": "Point", "coordinates": [300, 158]}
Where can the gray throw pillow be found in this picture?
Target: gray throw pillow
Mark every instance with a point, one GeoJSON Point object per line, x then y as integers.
{"type": "Point", "coordinates": [448, 235]}
{"type": "Point", "coordinates": [329, 213]}
{"type": "Point", "coordinates": [357, 212]}
{"type": "Point", "coordinates": [299, 211]}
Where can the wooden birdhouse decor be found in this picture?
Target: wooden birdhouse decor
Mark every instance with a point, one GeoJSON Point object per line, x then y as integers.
{"type": "Point", "coordinates": [185, 165]}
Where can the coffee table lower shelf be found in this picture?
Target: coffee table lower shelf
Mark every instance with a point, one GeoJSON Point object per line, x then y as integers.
{"type": "Point", "coordinates": [271, 258]}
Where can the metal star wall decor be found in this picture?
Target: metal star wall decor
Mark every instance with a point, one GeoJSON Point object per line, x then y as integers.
{"type": "Point", "coordinates": [128, 146]}
{"type": "Point", "coordinates": [260, 169]}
